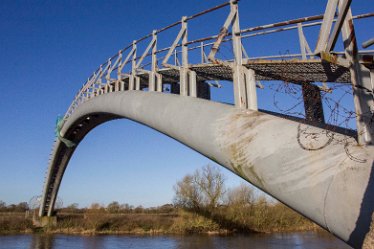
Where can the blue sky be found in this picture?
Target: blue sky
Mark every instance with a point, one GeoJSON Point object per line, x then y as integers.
{"type": "Point", "coordinates": [47, 51]}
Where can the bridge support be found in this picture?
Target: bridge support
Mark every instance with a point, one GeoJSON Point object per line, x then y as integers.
{"type": "Point", "coordinates": [155, 82]}
{"type": "Point", "coordinates": [244, 81]}
{"type": "Point", "coordinates": [187, 76]}
{"type": "Point", "coordinates": [362, 84]}
{"type": "Point", "coordinates": [245, 94]}
{"type": "Point", "coordinates": [47, 221]}
{"type": "Point", "coordinates": [203, 90]}
{"type": "Point", "coordinates": [152, 81]}
{"type": "Point", "coordinates": [188, 85]}
{"type": "Point", "coordinates": [312, 103]}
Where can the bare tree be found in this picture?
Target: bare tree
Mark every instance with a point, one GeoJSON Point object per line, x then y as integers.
{"type": "Point", "coordinates": [240, 202]}
{"type": "Point", "coordinates": [113, 207]}
{"type": "Point", "coordinates": [212, 185]}
{"type": "Point", "coordinates": [204, 189]}
{"type": "Point", "coordinates": [187, 193]}
{"type": "Point", "coordinates": [240, 196]}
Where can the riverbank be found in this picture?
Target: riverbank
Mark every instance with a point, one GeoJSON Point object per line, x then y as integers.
{"type": "Point", "coordinates": [153, 222]}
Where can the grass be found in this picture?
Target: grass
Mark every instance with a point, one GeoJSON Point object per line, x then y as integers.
{"type": "Point", "coordinates": [262, 217]}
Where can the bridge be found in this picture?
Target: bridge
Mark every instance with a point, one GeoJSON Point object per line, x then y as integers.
{"type": "Point", "coordinates": [321, 170]}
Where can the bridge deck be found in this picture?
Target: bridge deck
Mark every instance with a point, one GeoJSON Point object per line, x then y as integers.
{"type": "Point", "coordinates": [295, 71]}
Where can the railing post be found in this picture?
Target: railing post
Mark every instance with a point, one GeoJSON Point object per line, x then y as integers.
{"type": "Point", "coordinates": [159, 87]}
{"type": "Point", "coordinates": [98, 81]}
{"type": "Point", "coordinates": [176, 62]}
{"type": "Point", "coordinates": [184, 68]}
{"type": "Point", "coordinates": [202, 52]}
{"type": "Point", "coordinates": [107, 77]}
{"type": "Point", "coordinates": [361, 83]}
{"type": "Point", "coordinates": [250, 85]}
{"type": "Point", "coordinates": [113, 87]}
{"type": "Point", "coordinates": [137, 83]}
{"type": "Point", "coordinates": [133, 68]}
{"type": "Point", "coordinates": [153, 76]}
{"type": "Point", "coordinates": [240, 94]}
{"type": "Point", "coordinates": [301, 41]}
{"type": "Point", "coordinates": [192, 83]}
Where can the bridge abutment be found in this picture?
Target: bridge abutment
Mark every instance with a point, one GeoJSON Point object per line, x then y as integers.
{"type": "Point", "coordinates": [44, 221]}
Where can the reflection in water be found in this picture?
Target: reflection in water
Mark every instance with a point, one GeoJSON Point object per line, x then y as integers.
{"type": "Point", "coordinates": [309, 240]}
{"type": "Point", "coordinates": [97, 243]}
{"type": "Point", "coordinates": [42, 241]}
{"type": "Point", "coordinates": [191, 242]}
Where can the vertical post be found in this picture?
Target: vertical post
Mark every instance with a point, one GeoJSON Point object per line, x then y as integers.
{"type": "Point", "coordinates": [152, 75]}
{"type": "Point", "coordinates": [108, 87]}
{"type": "Point", "coordinates": [301, 41]}
{"type": "Point", "coordinates": [119, 82]}
{"type": "Point", "coordinates": [240, 95]}
{"type": "Point", "coordinates": [159, 82]}
{"type": "Point", "coordinates": [99, 82]}
{"type": "Point", "coordinates": [192, 83]}
{"type": "Point", "coordinates": [151, 81]}
{"type": "Point", "coordinates": [137, 83]}
{"type": "Point", "coordinates": [154, 50]}
{"type": "Point", "coordinates": [250, 83]}
{"type": "Point", "coordinates": [202, 52]}
{"type": "Point", "coordinates": [175, 58]}
{"type": "Point", "coordinates": [121, 85]}
{"type": "Point", "coordinates": [133, 68]}
{"type": "Point", "coordinates": [116, 83]}
{"type": "Point", "coordinates": [184, 68]}
{"type": "Point", "coordinates": [361, 82]}
{"type": "Point", "coordinates": [372, 79]}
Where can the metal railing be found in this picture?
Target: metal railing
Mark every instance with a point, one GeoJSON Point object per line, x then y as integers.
{"type": "Point", "coordinates": [110, 76]}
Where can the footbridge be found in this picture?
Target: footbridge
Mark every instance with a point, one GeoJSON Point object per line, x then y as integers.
{"type": "Point", "coordinates": [321, 170]}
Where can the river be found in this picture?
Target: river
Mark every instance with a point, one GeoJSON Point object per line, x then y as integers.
{"type": "Point", "coordinates": [307, 240]}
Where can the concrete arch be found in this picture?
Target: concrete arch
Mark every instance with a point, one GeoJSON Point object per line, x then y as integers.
{"type": "Point", "coordinates": [315, 176]}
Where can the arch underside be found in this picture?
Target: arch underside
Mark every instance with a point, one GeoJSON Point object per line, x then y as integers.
{"type": "Point", "coordinates": [330, 182]}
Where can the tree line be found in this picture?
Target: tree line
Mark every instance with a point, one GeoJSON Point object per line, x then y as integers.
{"type": "Point", "coordinates": [20, 207]}
{"type": "Point", "coordinates": [202, 204]}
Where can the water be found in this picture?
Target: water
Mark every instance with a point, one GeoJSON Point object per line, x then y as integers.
{"type": "Point", "coordinates": [307, 240]}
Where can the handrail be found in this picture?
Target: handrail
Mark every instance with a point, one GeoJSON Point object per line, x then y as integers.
{"type": "Point", "coordinates": [107, 68]}
{"type": "Point", "coordinates": [283, 23]}
{"type": "Point", "coordinates": [207, 11]}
